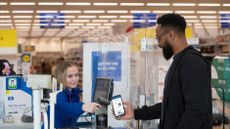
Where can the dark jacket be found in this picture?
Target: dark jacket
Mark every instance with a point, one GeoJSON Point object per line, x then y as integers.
{"type": "Point", "coordinates": [68, 108]}
{"type": "Point", "coordinates": [3, 64]}
{"type": "Point", "coordinates": [187, 101]}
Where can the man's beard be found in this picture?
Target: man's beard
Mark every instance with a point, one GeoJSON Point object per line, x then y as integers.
{"type": "Point", "coordinates": [167, 50]}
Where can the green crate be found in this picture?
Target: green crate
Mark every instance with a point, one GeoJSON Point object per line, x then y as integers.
{"type": "Point", "coordinates": [227, 94]}
{"type": "Point", "coordinates": [222, 66]}
{"type": "Point", "coordinates": [225, 83]}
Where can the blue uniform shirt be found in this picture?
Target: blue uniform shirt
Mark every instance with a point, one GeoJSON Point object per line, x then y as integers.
{"type": "Point", "coordinates": [68, 108]}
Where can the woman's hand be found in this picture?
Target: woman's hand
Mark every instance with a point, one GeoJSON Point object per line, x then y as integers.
{"type": "Point", "coordinates": [90, 107]}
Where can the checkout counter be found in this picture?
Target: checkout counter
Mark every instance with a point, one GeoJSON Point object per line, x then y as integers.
{"type": "Point", "coordinates": [102, 93]}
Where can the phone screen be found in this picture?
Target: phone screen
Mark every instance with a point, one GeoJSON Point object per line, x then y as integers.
{"type": "Point", "coordinates": [118, 106]}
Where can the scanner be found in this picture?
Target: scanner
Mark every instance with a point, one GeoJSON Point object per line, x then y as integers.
{"type": "Point", "coordinates": [102, 94]}
{"type": "Point", "coordinates": [103, 101]}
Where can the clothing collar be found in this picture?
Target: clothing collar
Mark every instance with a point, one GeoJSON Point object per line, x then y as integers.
{"type": "Point", "coordinates": [73, 91]}
{"type": "Point", "coordinates": [181, 52]}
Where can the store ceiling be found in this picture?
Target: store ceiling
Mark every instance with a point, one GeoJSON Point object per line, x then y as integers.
{"type": "Point", "coordinates": [98, 17]}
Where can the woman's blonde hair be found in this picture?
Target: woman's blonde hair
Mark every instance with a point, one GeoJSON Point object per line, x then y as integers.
{"type": "Point", "coordinates": [61, 71]}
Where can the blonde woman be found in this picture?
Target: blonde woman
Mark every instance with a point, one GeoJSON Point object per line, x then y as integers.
{"type": "Point", "coordinates": [69, 107]}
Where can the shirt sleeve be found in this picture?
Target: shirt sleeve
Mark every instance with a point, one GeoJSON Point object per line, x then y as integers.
{"type": "Point", "coordinates": [195, 86]}
{"type": "Point", "coordinates": [69, 109]}
{"type": "Point", "coordinates": [148, 113]}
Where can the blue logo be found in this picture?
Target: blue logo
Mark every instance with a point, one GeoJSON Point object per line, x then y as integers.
{"type": "Point", "coordinates": [10, 98]}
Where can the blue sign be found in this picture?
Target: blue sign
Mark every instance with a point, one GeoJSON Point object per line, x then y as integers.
{"type": "Point", "coordinates": [107, 65]}
{"type": "Point", "coordinates": [150, 20]}
{"type": "Point", "coordinates": [225, 20]}
{"type": "Point", "coordinates": [52, 20]}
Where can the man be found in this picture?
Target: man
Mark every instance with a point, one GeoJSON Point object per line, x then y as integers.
{"type": "Point", "coordinates": [187, 94]}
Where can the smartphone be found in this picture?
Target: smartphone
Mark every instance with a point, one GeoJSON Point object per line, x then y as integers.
{"type": "Point", "coordinates": [117, 105]}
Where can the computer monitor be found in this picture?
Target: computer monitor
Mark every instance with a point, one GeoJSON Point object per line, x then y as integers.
{"type": "Point", "coordinates": [103, 89]}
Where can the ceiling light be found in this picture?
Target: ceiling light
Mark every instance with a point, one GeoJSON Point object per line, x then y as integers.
{"type": "Point", "coordinates": [127, 16]}
{"type": "Point", "coordinates": [23, 27]}
{"type": "Point", "coordinates": [47, 16]}
{"type": "Point", "coordinates": [108, 16]}
{"type": "Point", "coordinates": [192, 20]}
{"type": "Point", "coordinates": [224, 12]}
{"type": "Point", "coordinates": [131, 4]}
{"type": "Point", "coordinates": [224, 21]}
{"type": "Point", "coordinates": [190, 17]}
{"type": "Point", "coordinates": [80, 20]}
{"type": "Point", "coordinates": [66, 16]}
{"type": "Point", "coordinates": [46, 11]}
{"type": "Point", "coordinates": [208, 4]}
{"type": "Point", "coordinates": [3, 3]}
{"type": "Point", "coordinates": [5, 24]}
{"type": "Point", "coordinates": [100, 20]}
{"type": "Point", "coordinates": [226, 4]}
{"type": "Point", "coordinates": [94, 11]}
{"type": "Point", "coordinates": [50, 3]}
{"type": "Point", "coordinates": [56, 20]}
{"type": "Point", "coordinates": [22, 16]}
{"type": "Point", "coordinates": [22, 24]}
{"type": "Point", "coordinates": [70, 11]}
{"type": "Point", "coordinates": [41, 24]}
{"type": "Point", "coordinates": [23, 11]}
{"type": "Point", "coordinates": [206, 12]}
{"type": "Point", "coordinates": [139, 21]}
{"type": "Point", "coordinates": [162, 12]}
{"type": "Point", "coordinates": [4, 16]}
{"type": "Point", "coordinates": [139, 11]}
{"type": "Point", "coordinates": [93, 24]}
{"type": "Point", "coordinates": [76, 24]}
{"type": "Point", "coordinates": [89, 16]}
{"type": "Point", "coordinates": [198, 27]}
{"type": "Point", "coordinates": [211, 27]}
{"type": "Point", "coordinates": [158, 4]}
{"type": "Point", "coordinates": [184, 4]}
{"type": "Point", "coordinates": [185, 12]}
{"type": "Point", "coordinates": [119, 21]}
{"type": "Point", "coordinates": [104, 27]}
{"type": "Point", "coordinates": [208, 17]}
{"type": "Point", "coordinates": [22, 3]}
{"type": "Point", "coordinates": [117, 11]}
{"type": "Point", "coordinates": [72, 27]}
{"type": "Point", "coordinates": [1, 11]}
{"type": "Point", "coordinates": [152, 21]}
{"type": "Point", "coordinates": [108, 24]}
{"type": "Point", "coordinates": [105, 4]}
{"type": "Point", "coordinates": [209, 21]}
{"type": "Point", "coordinates": [2, 21]}
{"type": "Point", "coordinates": [58, 24]}
{"type": "Point", "coordinates": [78, 3]}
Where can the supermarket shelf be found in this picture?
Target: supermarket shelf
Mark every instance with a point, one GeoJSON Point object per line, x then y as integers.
{"type": "Point", "coordinates": [214, 44]}
{"type": "Point", "coordinates": [215, 54]}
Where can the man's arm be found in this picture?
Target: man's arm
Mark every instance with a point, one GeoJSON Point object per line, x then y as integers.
{"type": "Point", "coordinates": [148, 113]}
{"type": "Point", "coordinates": [196, 91]}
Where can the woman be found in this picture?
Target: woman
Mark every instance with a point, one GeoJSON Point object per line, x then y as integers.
{"type": "Point", "coordinates": [68, 107]}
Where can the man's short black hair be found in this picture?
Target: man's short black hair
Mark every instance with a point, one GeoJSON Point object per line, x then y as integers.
{"type": "Point", "coordinates": [172, 20]}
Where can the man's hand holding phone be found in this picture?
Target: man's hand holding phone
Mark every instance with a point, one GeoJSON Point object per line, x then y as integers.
{"type": "Point", "coordinates": [122, 110]}
{"type": "Point", "coordinates": [129, 113]}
